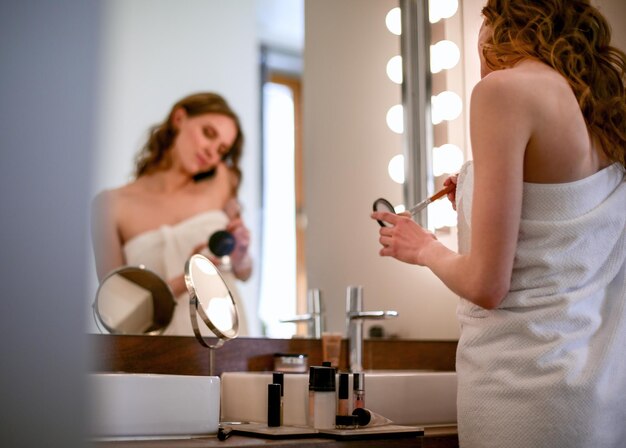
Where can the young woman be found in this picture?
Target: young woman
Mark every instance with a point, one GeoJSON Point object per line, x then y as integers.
{"type": "Point", "coordinates": [541, 268]}
{"type": "Point", "coordinates": [187, 176]}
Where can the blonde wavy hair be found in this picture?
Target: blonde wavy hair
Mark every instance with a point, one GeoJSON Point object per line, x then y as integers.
{"type": "Point", "coordinates": [155, 154]}
{"type": "Point", "coordinates": [574, 38]}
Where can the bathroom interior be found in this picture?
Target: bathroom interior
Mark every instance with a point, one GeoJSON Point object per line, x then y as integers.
{"type": "Point", "coordinates": [339, 56]}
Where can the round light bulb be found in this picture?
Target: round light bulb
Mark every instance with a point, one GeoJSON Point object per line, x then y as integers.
{"type": "Point", "coordinates": [393, 20]}
{"type": "Point", "coordinates": [446, 106]}
{"type": "Point", "coordinates": [394, 69]}
{"type": "Point", "coordinates": [395, 118]}
{"type": "Point", "coordinates": [447, 159]}
{"type": "Point", "coordinates": [395, 168]}
{"type": "Point", "coordinates": [443, 56]}
{"type": "Point", "coordinates": [441, 9]}
{"type": "Point", "coordinates": [441, 214]}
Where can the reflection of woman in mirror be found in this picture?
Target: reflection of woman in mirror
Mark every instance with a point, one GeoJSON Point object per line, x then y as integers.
{"type": "Point", "coordinates": [185, 188]}
{"type": "Point", "coordinates": [542, 233]}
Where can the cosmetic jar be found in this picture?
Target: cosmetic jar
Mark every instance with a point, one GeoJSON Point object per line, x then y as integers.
{"type": "Point", "coordinates": [290, 362]}
{"type": "Point", "coordinates": [346, 422]}
{"type": "Point", "coordinates": [365, 417]}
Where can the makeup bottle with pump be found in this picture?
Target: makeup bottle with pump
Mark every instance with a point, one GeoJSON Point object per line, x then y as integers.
{"type": "Point", "coordinates": [358, 389]}
{"type": "Point", "coordinates": [322, 397]}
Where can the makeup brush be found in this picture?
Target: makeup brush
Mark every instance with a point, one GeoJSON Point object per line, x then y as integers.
{"type": "Point", "coordinates": [423, 204]}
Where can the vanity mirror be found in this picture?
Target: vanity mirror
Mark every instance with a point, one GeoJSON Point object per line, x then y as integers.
{"type": "Point", "coordinates": [133, 300]}
{"type": "Point", "coordinates": [345, 141]}
{"type": "Point", "coordinates": [211, 300]}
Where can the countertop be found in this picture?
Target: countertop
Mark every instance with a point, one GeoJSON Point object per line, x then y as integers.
{"type": "Point", "coordinates": [434, 437]}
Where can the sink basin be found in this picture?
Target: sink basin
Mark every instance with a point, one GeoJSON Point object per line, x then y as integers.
{"type": "Point", "coordinates": [405, 397]}
{"type": "Point", "coordinates": [126, 405]}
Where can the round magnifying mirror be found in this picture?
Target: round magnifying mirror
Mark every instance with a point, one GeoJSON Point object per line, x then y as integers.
{"type": "Point", "coordinates": [134, 300]}
{"type": "Point", "coordinates": [211, 299]}
{"type": "Point", "coordinates": [383, 205]}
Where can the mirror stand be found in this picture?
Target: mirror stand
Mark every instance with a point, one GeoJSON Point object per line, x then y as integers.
{"type": "Point", "coordinates": [194, 310]}
{"type": "Point", "coordinates": [213, 302]}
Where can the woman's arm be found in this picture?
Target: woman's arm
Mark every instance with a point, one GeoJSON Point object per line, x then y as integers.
{"type": "Point", "coordinates": [240, 258]}
{"type": "Point", "coordinates": [500, 126]}
{"type": "Point", "coordinates": [106, 241]}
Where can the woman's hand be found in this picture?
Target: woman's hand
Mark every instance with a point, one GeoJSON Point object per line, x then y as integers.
{"type": "Point", "coordinates": [240, 259]}
{"type": "Point", "coordinates": [177, 284]}
{"type": "Point", "coordinates": [404, 240]}
{"type": "Point", "coordinates": [452, 180]}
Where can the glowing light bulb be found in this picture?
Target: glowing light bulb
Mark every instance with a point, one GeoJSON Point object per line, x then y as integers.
{"type": "Point", "coordinates": [393, 21]}
{"type": "Point", "coordinates": [441, 214]}
{"type": "Point", "coordinates": [443, 56]}
{"type": "Point", "coordinates": [395, 168]}
{"type": "Point", "coordinates": [394, 69]}
{"type": "Point", "coordinates": [445, 106]}
{"type": "Point", "coordinates": [395, 118]}
{"type": "Point", "coordinates": [441, 9]}
{"type": "Point", "coordinates": [447, 159]}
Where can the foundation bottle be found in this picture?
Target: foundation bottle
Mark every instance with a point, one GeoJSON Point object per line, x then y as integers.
{"type": "Point", "coordinates": [322, 397]}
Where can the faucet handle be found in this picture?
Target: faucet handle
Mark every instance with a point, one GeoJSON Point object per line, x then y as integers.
{"type": "Point", "coordinates": [372, 314]}
{"type": "Point", "coordinates": [355, 306]}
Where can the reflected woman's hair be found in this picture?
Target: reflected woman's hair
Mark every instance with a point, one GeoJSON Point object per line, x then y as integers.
{"type": "Point", "coordinates": [574, 38]}
{"type": "Point", "coordinates": [154, 156]}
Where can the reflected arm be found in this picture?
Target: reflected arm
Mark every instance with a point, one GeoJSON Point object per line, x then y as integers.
{"type": "Point", "coordinates": [105, 237]}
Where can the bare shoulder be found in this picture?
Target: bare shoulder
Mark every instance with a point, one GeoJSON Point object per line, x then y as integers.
{"type": "Point", "coordinates": [505, 86]}
{"type": "Point", "coordinates": [527, 78]}
{"type": "Point", "coordinates": [110, 200]}
{"type": "Point", "coordinates": [104, 201]}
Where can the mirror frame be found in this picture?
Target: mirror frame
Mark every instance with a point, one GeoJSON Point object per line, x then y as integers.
{"type": "Point", "coordinates": [416, 93]}
{"type": "Point", "coordinates": [158, 288]}
{"type": "Point", "coordinates": [196, 309]}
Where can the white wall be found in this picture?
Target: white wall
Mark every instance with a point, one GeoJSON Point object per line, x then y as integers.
{"type": "Point", "coordinates": [154, 53]}
{"type": "Point", "coordinates": [347, 148]}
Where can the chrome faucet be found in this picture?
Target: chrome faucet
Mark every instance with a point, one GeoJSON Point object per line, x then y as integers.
{"type": "Point", "coordinates": [313, 316]}
{"type": "Point", "coordinates": [354, 321]}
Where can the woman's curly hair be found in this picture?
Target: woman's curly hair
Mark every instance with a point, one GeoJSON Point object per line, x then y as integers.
{"type": "Point", "coordinates": [574, 38]}
{"type": "Point", "coordinates": [154, 156]}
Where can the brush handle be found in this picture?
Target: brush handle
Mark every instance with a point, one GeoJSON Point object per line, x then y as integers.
{"type": "Point", "coordinates": [443, 192]}
{"type": "Point", "coordinates": [422, 205]}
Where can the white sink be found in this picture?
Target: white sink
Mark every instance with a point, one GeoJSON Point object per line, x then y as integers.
{"type": "Point", "coordinates": [405, 397]}
{"type": "Point", "coordinates": [125, 405]}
